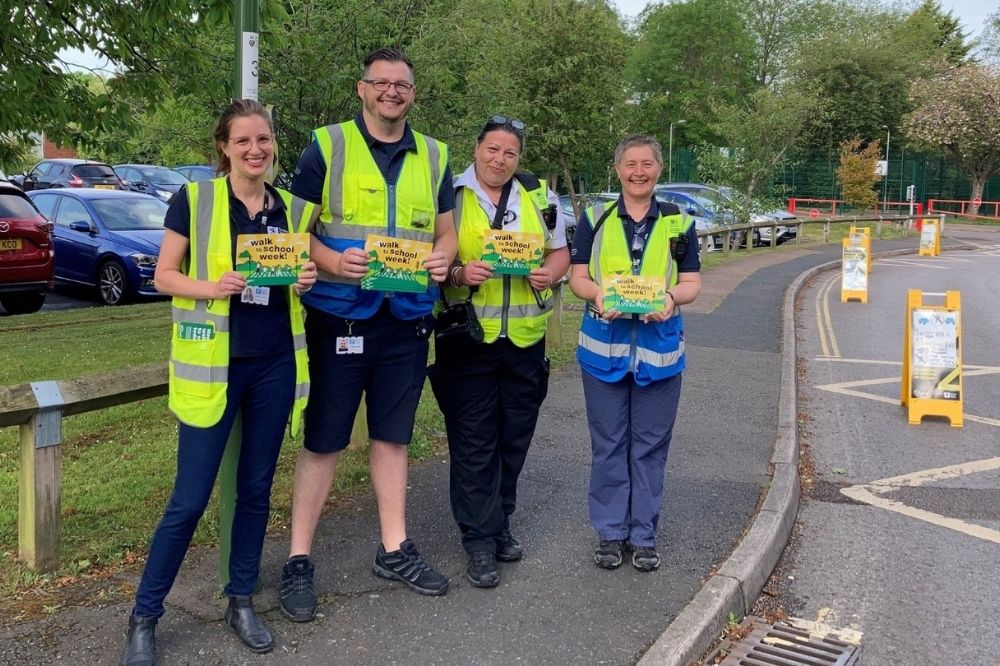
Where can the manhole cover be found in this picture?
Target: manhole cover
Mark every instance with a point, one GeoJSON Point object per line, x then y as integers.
{"type": "Point", "coordinates": [781, 644]}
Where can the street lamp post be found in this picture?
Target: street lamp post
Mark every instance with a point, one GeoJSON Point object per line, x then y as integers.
{"type": "Point", "coordinates": [885, 179]}
{"type": "Point", "coordinates": [670, 151]}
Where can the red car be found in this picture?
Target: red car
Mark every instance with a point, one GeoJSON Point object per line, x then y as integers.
{"type": "Point", "coordinates": [26, 261]}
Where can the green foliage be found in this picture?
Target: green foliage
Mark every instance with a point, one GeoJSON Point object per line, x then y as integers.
{"type": "Point", "coordinates": [760, 132]}
{"type": "Point", "coordinates": [856, 173]}
{"type": "Point", "coordinates": [958, 113]}
{"type": "Point", "coordinates": [688, 58]}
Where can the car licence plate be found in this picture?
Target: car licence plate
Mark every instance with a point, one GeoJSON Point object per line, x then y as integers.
{"type": "Point", "coordinates": [10, 244]}
{"type": "Point", "coordinates": [104, 187]}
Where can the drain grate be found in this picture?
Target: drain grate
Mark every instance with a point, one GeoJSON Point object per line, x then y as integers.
{"type": "Point", "coordinates": [780, 644]}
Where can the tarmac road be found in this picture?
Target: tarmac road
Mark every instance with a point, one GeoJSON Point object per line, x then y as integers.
{"type": "Point", "coordinates": [914, 575]}
{"type": "Point", "coordinates": [555, 607]}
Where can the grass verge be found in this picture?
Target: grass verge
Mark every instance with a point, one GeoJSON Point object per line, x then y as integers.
{"type": "Point", "coordinates": [119, 463]}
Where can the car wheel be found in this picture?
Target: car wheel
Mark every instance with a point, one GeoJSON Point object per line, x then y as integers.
{"type": "Point", "coordinates": [23, 303]}
{"type": "Point", "coordinates": [112, 283]}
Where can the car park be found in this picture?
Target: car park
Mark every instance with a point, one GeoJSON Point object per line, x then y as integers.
{"type": "Point", "coordinates": [105, 240]}
{"type": "Point", "coordinates": [158, 181]}
{"type": "Point", "coordinates": [65, 172]}
{"type": "Point", "coordinates": [26, 259]}
{"type": "Point", "coordinates": [728, 201]}
{"type": "Point", "coordinates": [197, 172]}
{"type": "Point", "coordinates": [706, 212]}
{"type": "Point", "coordinates": [585, 201]}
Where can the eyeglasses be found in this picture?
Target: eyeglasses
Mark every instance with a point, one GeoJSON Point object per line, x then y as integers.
{"type": "Point", "coordinates": [381, 85]}
{"type": "Point", "coordinates": [503, 121]}
{"type": "Point", "coordinates": [244, 142]}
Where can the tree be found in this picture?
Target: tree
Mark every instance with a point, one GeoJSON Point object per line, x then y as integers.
{"type": "Point", "coordinates": [558, 69]}
{"type": "Point", "coordinates": [989, 40]}
{"type": "Point", "coordinates": [689, 57]}
{"type": "Point", "coordinates": [856, 173]}
{"type": "Point", "coordinates": [958, 113]}
{"type": "Point", "coordinates": [760, 132]}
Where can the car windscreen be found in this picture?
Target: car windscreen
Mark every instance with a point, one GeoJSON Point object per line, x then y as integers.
{"type": "Point", "coordinates": [163, 176]}
{"type": "Point", "coordinates": [93, 171]}
{"type": "Point", "coordinates": [15, 206]}
{"type": "Point", "coordinates": [130, 214]}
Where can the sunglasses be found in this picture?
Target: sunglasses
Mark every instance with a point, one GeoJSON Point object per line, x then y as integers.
{"type": "Point", "coordinates": [503, 121]}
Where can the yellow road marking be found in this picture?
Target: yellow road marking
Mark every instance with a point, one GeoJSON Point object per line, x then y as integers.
{"type": "Point", "coordinates": [824, 322]}
{"type": "Point", "coordinates": [864, 493]}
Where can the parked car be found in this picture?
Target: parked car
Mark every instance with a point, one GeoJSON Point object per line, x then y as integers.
{"type": "Point", "coordinates": [196, 172]}
{"type": "Point", "coordinates": [706, 212]}
{"type": "Point", "coordinates": [66, 172]}
{"type": "Point", "coordinates": [26, 261]}
{"type": "Point", "coordinates": [105, 239]}
{"type": "Point", "coordinates": [159, 181]}
{"type": "Point", "coordinates": [728, 199]}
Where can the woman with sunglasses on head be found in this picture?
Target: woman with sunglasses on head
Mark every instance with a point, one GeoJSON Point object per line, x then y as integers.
{"type": "Point", "coordinates": [632, 363]}
{"type": "Point", "coordinates": [490, 389]}
{"type": "Point", "coordinates": [235, 349]}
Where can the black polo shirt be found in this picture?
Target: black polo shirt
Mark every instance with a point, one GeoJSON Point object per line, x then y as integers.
{"type": "Point", "coordinates": [254, 330]}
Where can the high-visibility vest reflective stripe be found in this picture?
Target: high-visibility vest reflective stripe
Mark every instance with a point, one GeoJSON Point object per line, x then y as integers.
{"type": "Point", "coordinates": [357, 202]}
{"type": "Point", "coordinates": [199, 364]}
{"type": "Point", "coordinates": [610, 350]}
{"type": "Point", "coordinates": [505, 305]}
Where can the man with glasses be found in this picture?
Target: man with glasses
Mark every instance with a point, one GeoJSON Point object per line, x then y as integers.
{"type": "Point", "coordinates": [370, 175]}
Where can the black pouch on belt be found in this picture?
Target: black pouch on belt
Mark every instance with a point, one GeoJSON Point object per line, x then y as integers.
{"type": "Point", "coordinates": [459, 319]}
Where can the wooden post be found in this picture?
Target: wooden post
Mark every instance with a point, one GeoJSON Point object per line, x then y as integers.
{"type": "Point", "coordinates": [774, 236]}
{"type": "Point", "coordinates": [826, 231]}
{"type": "Point", "coordinates": [39, 519]}
{"type": "Point", "coordinates": [553, 330]}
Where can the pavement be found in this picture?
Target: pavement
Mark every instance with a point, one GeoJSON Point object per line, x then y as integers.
{"type": "Point", "coordinates": [731, 500]}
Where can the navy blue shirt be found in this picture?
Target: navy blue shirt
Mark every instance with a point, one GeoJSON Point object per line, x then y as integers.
{"type": "Point", "coordinates": [254, 330]}
{"type": "Point", "coordinates": [310, 173]}
{"type": "Point", "coordinates": [636, 231]}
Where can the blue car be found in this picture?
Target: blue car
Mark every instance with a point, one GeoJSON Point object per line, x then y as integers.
{"type": "Point", "coordinates": [196, 172]}
{"type": "Point", "coordinates": [106, 239]}
{"type": "Point", "coordinates": [157, 181]}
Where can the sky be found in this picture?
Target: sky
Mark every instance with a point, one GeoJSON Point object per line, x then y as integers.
{"type": "Point", "coordinates": [971, 13]}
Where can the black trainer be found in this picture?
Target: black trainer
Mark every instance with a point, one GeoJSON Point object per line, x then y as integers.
{"type": "Point", "coordinates": [407, 566]}
{"type": "Point", "coordinates": [645, 558]}
{"type": "Point", "coordinates": [298, 600]}
{"type": "Point", "coordinates": [609, 553]}
{"type": "Point", "coordinates": [509, 549]}
{"type": "Point", "coordinates": [482, 569]}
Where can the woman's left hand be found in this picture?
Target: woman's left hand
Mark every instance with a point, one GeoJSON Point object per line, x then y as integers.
{"type": "Point", "coordinates": [540, 278]}
{"type": "Point", "coordinates": [656, 317]}
{"type": "Point", "coordinates": [307, 278]}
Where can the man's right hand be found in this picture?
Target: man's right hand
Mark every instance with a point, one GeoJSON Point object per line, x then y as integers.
{"type": "Point", "coordinates": [353, 263]}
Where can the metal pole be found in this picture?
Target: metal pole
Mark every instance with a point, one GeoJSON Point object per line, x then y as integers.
{"type": "Point", "coordinates": [670, 151]}
{"type": "Point", "coordinates": [885, 182]}
{"type": "Point", "coordinates": [246, 24]}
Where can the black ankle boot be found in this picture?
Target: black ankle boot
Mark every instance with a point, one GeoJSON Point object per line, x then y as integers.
{"type": "Point", "coordinates": [140, 641]}
{"type": "Point", "coordinates": [240, 616]}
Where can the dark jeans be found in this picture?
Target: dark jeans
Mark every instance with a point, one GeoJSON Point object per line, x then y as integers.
{"type": "Point", "coordinates": [263, 387]}
{"type": "Point", "coordinates": [490, 395]}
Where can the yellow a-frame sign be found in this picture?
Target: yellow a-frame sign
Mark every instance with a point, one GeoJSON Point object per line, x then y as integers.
{"type": "Point", "coordinates": [930, 238]}
{"type": "Point", "coordinates": [932, 358]}
{"type": "Point", "coordinates": [854, 268]}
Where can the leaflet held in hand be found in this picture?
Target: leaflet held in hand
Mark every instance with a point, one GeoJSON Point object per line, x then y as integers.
{"type": "Point", "coordinates": [396, 264]}
{"type": "Point", "coordinates": [512, 252]}
{"type": "Point", "coordinates": [271, 259]}
{"type": "Point", "coordinates": [635, 294]}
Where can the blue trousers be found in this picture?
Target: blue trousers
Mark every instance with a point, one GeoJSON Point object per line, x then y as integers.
{"type": "Point", "coordinates": [630, 430]}
{"type": "Point", "coordinates": [263, 387]}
